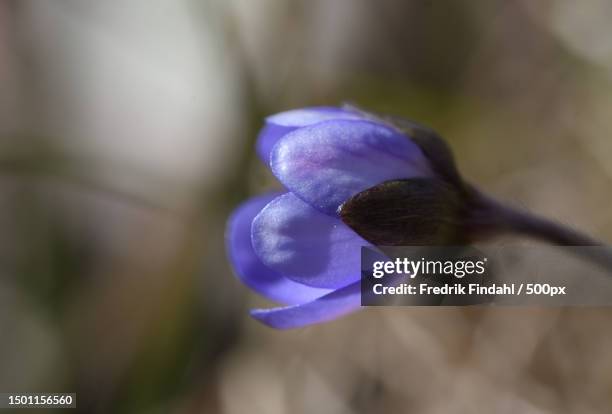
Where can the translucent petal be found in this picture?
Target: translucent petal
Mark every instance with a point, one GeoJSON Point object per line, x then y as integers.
{"type": "Point", "coordinates": [305, 245]}
{"type": "Point", "coordinates": [282, 123]}
{"type": "Point", "coordinates": [327, 163]}
{"type": "Point", "coordinates": [249, 268]}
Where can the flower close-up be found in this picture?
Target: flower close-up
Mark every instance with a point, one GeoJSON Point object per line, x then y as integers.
{"type": "Point", "coordinates": [297, 206]}
{"type": "Point", "coordinates": [353, 179]}
{"type": "Point", "coordinates": [295, 247]}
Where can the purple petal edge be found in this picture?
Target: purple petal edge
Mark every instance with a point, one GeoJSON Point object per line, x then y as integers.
{"type": "Point", "coordinates": [326, 308]}
{"type": "Point", "coordinates": [279, 125]}
{"type": "Point", "coordinates": [249, 268]}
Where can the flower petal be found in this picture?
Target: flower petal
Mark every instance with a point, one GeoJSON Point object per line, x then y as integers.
{"type": "Point", "coordinates": [282, 123]}
{"type": "Point", "coordinates": [305, 245]}
{"type": "Point", "coordinates": [250, 270]}
{"type": "Point", "coordinates": [327, 163]}
{"type": "Point", "coordinates": [326, 308]}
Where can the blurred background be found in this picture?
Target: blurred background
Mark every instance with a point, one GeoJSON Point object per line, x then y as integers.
{"type": "Point", "coordinates": [127, 135]}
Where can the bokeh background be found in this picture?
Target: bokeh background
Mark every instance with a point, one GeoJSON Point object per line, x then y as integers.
{"type": "Point", "coordinates": [126, 139]}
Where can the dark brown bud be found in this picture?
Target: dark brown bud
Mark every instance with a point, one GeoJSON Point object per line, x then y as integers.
{"type": "Point", "coordinates": [413, 212]}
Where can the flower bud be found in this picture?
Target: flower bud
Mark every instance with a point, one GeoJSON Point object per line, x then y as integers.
{"type": "Point", "coordinates": [413, 212]}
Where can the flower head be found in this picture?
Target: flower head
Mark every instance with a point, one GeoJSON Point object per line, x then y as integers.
{"type": "Point", "coordinates": [351, 178]}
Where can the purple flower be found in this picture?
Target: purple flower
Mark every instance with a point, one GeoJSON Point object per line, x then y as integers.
{"type": "Point", "coordinates": [293, 247]}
